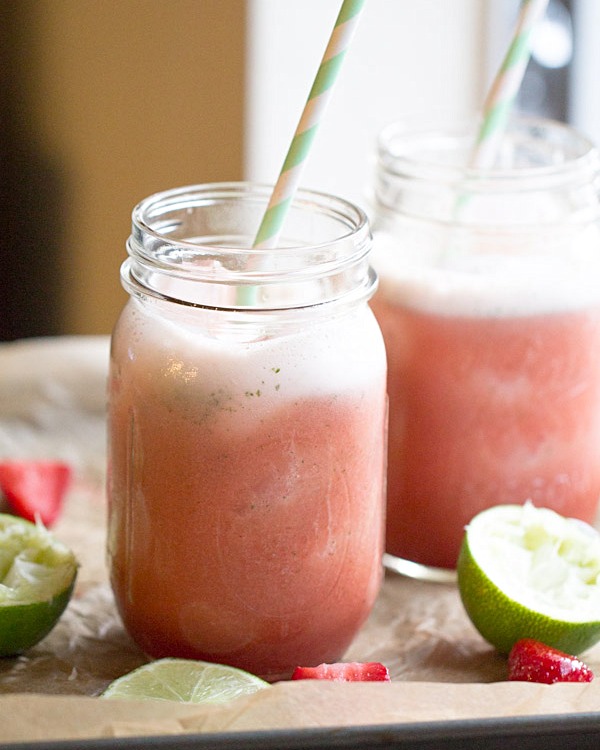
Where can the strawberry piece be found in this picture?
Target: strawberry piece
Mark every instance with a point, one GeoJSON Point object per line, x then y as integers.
{"type": "Point", "coordinates": [35, 489]}
{"type": "Point", "coordinates": [532, 661]}
{"type": "Point", "coordinates": [344, 672]}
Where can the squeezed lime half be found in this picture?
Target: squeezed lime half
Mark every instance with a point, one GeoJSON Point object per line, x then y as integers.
{"type": "Point", "coordinates": [37, 576]}
{"type": "Point", "coordinates": [528, 572]}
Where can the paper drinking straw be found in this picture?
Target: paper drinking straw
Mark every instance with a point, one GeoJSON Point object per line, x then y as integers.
{"type": "Point", "coordinates": [319, 95]}
{"type": "Point", "coordinates": [505, 86]}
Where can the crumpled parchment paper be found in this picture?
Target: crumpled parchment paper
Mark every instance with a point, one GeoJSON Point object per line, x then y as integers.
{"type": "Point", "coordinates": [52, 404]}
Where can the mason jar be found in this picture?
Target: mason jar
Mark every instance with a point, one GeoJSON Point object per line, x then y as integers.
{"type": "Point", "coordinates": [489, 302]}
{"type": "Point", "coordinates": [247, 423]}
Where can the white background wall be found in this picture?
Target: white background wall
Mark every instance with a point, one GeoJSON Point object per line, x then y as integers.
{"type": "Point", "coordinates": [585, 98]}
{"type": "Point", "coordinates": [407, 57]}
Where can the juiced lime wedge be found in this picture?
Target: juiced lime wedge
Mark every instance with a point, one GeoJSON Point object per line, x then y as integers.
{"type": "Point", "coordinates": [185, 681]}
{"type": "Point", "coordinates": [37, 575]}
{"type": "Point", "coordinates": [527, 572]}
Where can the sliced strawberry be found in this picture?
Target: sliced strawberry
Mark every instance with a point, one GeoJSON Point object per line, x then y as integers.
{"type": "Point", "coordinates": [532, 661]}
{"type": "Point", "coordinates": [35, 489]}
{"type": "Point", "coordinates": [344, 672]}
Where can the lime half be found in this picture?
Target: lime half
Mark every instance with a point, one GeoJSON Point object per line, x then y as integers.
{"type": "Point", "coordinates": [37, 575]}
{"type": "Point", "coordinates": [185, 681]}
{"type": "Point", "coordinates": [527, 572]}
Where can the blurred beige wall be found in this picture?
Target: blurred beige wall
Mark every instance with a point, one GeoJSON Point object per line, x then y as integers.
{"type": "Point", "coordinates": [129, 97]}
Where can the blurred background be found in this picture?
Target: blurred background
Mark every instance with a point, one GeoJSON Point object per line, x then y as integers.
{"type": "Point", "coordinates": [103, 102]}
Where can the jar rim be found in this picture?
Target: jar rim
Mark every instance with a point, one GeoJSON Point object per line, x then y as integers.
{"type": "Point", "coordinates": [198, 240]}
{"type": "Point", "coordinates": [200, 194]}
{"type": "Point", "coordinates": [400, 152]}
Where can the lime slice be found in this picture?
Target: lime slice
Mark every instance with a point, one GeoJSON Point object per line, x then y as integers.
{"type": "Point", "coordinates": [37, 575]}
{"type": "Point", "coordinates": [526, 572]}
{"type": "Point", "coordinates": [185, 681]}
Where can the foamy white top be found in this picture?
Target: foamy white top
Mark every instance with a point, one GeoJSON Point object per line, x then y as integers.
{"type": "Point", "coordinates": [492, 277]}
{"type": "Point", "coordinates": [338, 356]}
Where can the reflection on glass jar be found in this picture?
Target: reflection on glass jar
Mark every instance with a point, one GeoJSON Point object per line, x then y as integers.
{"type": "Point", "coordinates": [247, 416]}
{"type": "Point", "coordinates": [489, 303]}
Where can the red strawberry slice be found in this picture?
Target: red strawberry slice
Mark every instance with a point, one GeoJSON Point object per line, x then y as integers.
{"type": "Point", "coordinates": [35, 489]}
{"type": "Point", "coordinates": [532, 661]}
{"type": "Point", "coordinates": [344, 672]}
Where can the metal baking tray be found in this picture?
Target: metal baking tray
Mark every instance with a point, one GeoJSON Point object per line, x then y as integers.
{"type": "Point", "coordinates": [577, 731]}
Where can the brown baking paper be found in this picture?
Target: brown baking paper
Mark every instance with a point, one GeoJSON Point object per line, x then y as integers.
{"type": "Point", "coordinates": [52, 404]}
{"type": "Point", "coordinates": [292, 705]}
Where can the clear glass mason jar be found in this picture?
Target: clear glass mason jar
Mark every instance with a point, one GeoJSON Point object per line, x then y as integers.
{"type": "Point", "coordinates": [489, 302]}
{"type": "Point", "coordinates": [247, 421]}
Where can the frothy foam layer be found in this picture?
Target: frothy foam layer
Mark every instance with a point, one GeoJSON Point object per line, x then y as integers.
{"type": "Point", "coordinates": [496, 278]}
{"type": "Point", "coordinates": [341, 356]}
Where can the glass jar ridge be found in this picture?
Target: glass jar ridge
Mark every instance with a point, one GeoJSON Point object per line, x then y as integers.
{"type": "Point", "coordinates": [424, 171]}
{"type": "Point", "coordinates": [193, 245]}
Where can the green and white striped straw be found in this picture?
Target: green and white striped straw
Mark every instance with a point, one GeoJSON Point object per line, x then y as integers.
{"type": "Point", "coordinates": [319, 95]}
{"type": "Point", "coordinates": [505, 86]}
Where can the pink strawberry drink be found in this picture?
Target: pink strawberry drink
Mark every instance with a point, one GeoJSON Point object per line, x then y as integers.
{"type": "Point", "coordinates": [491, 317]}
{"type": "Point", "coordinates": [247, 469]}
